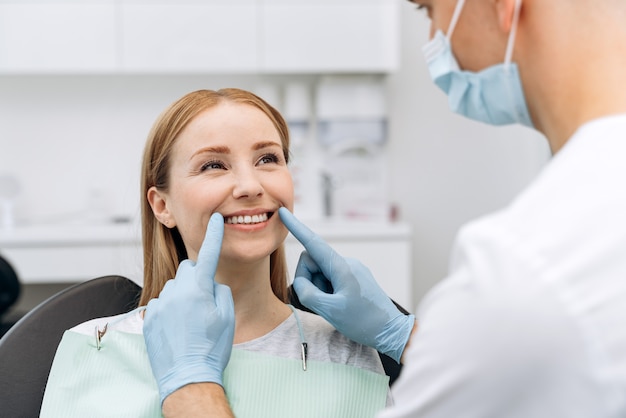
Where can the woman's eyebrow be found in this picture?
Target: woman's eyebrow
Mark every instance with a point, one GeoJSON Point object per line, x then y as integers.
{"type": "Point", "coordinates": [220, 149]}
{"type": "Point", "coordinates": [266, 144]}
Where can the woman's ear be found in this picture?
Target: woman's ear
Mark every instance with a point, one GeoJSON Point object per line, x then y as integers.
{"type": "Point", "coordinates": [506, 12]}
{"type": "Point", "coordinates": [158, 203]}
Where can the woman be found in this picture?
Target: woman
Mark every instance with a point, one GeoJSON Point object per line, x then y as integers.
{"type": "Point", "coordinates": [221, 152]}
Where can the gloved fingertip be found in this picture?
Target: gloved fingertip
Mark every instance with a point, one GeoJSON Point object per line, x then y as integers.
{"type": "Point", "coordinates": [283, 212]}
{"type": "Point", "coordinates": [300, 231]}
{"type": "Point", "coordinates": [213, 236]}
{"type": "Point", "coordinates": [287, 218]}
{"type": "Point", "coordinates": [209, 254]}
{"type": "Point", "coordinates": [216, 222]}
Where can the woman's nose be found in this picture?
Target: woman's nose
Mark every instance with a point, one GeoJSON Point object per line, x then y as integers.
{"type": "Point", "coordinates": [247, 184]}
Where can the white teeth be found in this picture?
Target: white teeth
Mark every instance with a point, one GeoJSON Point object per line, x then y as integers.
{"type": "Point", "coordinates": [254, 219]}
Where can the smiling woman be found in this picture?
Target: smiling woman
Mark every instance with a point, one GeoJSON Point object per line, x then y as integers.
{"type": "Point", "coordinates": [226, 152]}
{"type": "Point", "coordinates": [223, 152]}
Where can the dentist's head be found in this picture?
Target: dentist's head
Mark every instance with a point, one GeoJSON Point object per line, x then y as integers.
{"type": "Point", "coordinates": [492, 95]}
{"type": "Point", "coordinates": [553, 65]}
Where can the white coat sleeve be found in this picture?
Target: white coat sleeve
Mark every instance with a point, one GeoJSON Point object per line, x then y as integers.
{"type": "Point", "coordinates": [492, 342]}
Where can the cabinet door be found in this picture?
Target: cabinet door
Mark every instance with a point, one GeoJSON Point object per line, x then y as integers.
{"type": "Point", "coordinates": [189, 36]}
{"type": "Point", "coordinates": [330, 35]}
{"type": "Point", "coordinates": [38, 37]}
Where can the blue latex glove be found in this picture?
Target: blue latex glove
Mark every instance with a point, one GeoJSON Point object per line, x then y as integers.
{"type": "Point", "coordinates": [344, 292]}
{"type": "Point", "coordinates": [189, 328]}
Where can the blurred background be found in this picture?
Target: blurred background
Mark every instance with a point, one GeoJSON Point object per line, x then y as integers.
{"type": "Point", "coordinates": [382, 169]}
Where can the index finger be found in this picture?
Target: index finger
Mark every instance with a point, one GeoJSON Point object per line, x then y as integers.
{"type": "Point", "coordinates": [297, 228]}
{"type": "Point", "coordinates": [209, 253]}
{"type": "Point", "coordinates": [324, 256]}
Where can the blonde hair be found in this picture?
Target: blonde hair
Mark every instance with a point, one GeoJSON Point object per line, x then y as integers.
{"type": "Point", "coordinates": [163, 248]}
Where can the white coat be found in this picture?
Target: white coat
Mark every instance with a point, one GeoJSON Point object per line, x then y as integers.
{"type": "Point", "coordinates": [531, 321]}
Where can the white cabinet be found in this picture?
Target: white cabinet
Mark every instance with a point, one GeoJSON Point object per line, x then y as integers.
{"type": "Point", "coordinates": [189, 36]}
{"type": "Point", "coordinates": [330, 35]}
{"type": "Point", "coordinates": [57, 37]}
{"type": "Point", "coordinates": [74, 262]}
{"type": "Point", "coordinates": [72, 253]}
{"type": "Point", "coordinates": [198, 36]}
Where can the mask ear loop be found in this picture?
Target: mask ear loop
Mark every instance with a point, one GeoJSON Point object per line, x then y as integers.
{"type": "Point", "coordinates": [508, 56]}
{"type": "Point", "coordinates": [455, 18]}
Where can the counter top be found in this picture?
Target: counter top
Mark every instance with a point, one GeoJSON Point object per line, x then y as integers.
{"type": "Point", "coordinates": [130, 233]}
{"type": "Point", "coordinates": [69, 234]}
{"type": "Point", "coordinates": [71, 253]}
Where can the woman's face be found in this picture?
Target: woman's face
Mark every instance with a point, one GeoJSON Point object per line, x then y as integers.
{"type": "Point", "coordinates": [228, 159]}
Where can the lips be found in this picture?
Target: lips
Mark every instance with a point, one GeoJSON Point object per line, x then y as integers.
{"type": "Point", "coordinates": [248, 219]}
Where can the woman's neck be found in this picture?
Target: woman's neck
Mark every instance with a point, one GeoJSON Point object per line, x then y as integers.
{"type": "Point", "coordinates": [257, 309]}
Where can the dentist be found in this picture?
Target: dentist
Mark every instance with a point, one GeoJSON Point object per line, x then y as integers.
{"type": "Point", "coordinates": [530, 321]}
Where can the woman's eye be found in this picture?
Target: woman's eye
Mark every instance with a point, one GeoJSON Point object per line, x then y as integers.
{"type": "Point", "coordinates": [269, 159]}
{"type": "Point", "coordinates": [212, 165]}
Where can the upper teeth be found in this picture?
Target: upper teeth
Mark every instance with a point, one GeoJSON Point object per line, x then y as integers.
{"type": "Point", "coordinates": [254, 219]}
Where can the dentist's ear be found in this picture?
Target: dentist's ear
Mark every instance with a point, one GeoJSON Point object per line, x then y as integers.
{"type": "Point", "coordinates": [506, 12]}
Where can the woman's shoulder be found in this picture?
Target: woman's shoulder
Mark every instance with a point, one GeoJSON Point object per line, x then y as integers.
{"type": "Point", "coordinates": [317, 329]}
{"type": "Point", "coordinates": [131, 322]}
{"type": "Point", "coordinates": [313, 321]}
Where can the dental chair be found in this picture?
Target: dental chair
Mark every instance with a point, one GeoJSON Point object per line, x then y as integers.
{"type": "Point", "coordinates": [28, 349]}
{"type": "Point", "coordinates": [10, 289]}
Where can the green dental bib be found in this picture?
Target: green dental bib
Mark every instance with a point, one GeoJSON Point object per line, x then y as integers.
{"type": "Point", "coordinates": [116, 381]}
{"type": "Point", "coordinates": [258, 385]}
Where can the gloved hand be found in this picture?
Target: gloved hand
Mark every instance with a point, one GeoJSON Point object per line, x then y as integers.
{"type": "Point", "coordinates": [189, 328]}
{"type": "Point", "coordinates": [344, 293]}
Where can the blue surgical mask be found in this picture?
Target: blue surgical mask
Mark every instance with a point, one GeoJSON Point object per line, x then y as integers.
{"type": "Point", "coordinates": [493, 95]}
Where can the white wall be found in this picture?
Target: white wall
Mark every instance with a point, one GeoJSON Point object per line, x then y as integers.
{"type": "Point", "coordinates": [75, 143]}
{"type": "Point", "coordinates": [445, 169]}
